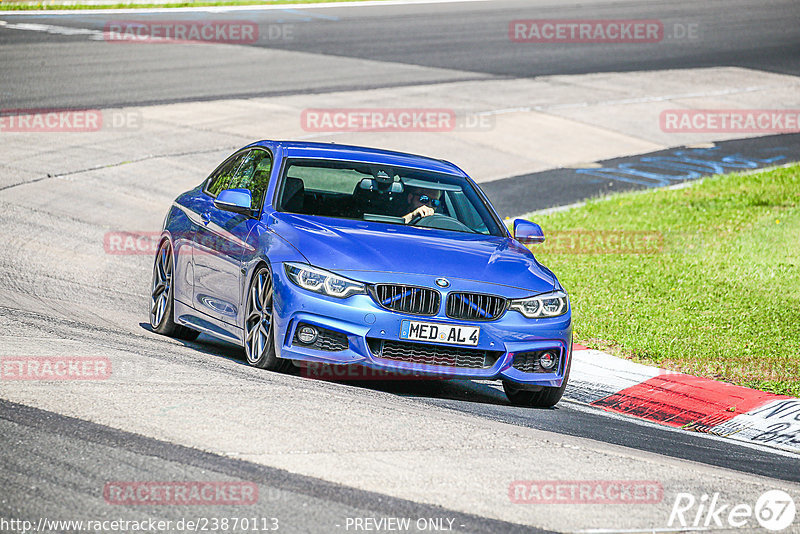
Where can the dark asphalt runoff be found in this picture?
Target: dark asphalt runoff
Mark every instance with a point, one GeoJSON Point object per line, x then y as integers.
{"type": "Point", "coordinates": [518, 195]}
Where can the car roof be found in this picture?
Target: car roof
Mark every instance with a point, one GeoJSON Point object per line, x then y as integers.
{"type": "Point", "coordinates": [335, 151]}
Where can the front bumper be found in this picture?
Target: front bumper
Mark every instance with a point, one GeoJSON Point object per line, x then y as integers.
{"type": "Point", "coordinates": [365, 324]}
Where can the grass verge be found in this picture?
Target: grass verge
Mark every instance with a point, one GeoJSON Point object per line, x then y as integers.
{"type": "Point", "coordinates": [16, 5]}
{"type": "Point", "coordinates": [704, 280]}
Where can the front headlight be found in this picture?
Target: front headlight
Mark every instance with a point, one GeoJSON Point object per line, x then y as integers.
{"type": "Point", "coordinates": [550, 304]}
{"type": "Point", "coordinates": [321, 281]}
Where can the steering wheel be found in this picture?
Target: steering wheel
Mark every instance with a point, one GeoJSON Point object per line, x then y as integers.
{"type": "Point", "coordinates": [414, 220]}
{"type": "Point", "coordinates": [441, 222]}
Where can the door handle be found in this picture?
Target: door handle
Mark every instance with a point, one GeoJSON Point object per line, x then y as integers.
{"type": "Point", "coordinates": [205, 217]}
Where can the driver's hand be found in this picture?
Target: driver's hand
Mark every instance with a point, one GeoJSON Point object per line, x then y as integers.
{"type": "Point", "coordinates": [422, 211]}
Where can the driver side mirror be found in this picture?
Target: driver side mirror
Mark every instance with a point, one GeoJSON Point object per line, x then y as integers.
{"type": "Point", "coordinates": [235, 200]}
{"type": "Point", "coordinates": [528, 232]}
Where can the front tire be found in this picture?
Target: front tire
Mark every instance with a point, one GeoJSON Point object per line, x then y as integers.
{"type": "Point", "coordinates": [259, 328]}
{"type": "Point", "coordinates": [545, 397]}
{"type": "Point", "coordinates": [162, 301]}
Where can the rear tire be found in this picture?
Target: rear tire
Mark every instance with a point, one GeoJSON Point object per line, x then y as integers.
{"type": "Point", "coordinates": [162, 303]}
{"type": "Point", "coordinates": [546, 397]}
{"type": "Point", "coordinates": [259, 328]}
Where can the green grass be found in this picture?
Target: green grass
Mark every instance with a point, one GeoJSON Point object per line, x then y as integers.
{"type": "Point", "coordinates": [25, 5]}
{"type": "Point", "coordinates": [720, 299]}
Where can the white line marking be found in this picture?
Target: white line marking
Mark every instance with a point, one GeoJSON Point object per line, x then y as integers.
{"type": "Point", "coordinates": [766, 421]}
{"type": "Point", "coordinates": [643, 530]}
{"type": "Point", "coordinates": [639, 100]}
{"type": "Point", "coordinates": [223, 9]}
{"type": "Point", "coordinates": [49, 28]}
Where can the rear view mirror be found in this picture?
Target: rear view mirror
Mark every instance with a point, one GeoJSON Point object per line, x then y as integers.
{"type": "Point", "coordinates": [235, 200]}
{"type": "Point", "coordinates": [371, 184]}
{"type": "Point", "coordinates": [528, 232]}
{"type": "Point", "coordinates": [367, 184]}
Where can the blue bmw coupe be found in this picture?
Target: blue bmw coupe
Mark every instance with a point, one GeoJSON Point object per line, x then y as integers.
{"type": "Point", "coordinates": [312, 252]}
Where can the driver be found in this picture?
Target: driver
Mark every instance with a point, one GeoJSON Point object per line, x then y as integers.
{"type": "Point", "coordinates": [421, 202]}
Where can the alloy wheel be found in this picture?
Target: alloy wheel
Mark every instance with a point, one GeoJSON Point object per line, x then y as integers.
{"type": "Point", "coordinates": [162, 285]}
{"type": "Point", "coordinates": [258, 325]}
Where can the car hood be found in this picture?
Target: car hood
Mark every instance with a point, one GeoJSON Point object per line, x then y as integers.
{"type": "Point", "coordinates": [348, 245]}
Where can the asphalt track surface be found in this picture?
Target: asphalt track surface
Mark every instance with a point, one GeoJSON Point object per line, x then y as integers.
{"type": "Point", "coordinates": [55, 465]}
{"type": "Point", "coordinates": [98, 454]}
{"type": "Point", "coordinates": [461, 41]}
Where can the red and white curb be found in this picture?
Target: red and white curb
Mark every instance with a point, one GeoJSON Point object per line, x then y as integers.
{"type": "Point", "coordinates": [684, 401]}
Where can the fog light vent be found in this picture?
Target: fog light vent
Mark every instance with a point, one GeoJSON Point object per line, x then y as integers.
{"type": "Point", "coordinates": [307, 334]}
{"type": "Point", "coordinates": [545, 361]}
{"type": "Point", "coordinates": [319, 338]}
{"type": "Point", "coordinates": [548, 360]}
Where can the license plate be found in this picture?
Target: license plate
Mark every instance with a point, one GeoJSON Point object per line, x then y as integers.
{"type": "Point", "coordinates": [439, 333]}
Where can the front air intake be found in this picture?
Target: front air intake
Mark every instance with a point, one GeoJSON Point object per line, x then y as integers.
{"type": "Point", "coordinates": [475, 306]}
{"type": "Point", "coordinates": [407, 299]}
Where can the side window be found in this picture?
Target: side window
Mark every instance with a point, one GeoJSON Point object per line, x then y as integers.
{"type": "Point", "coordinates": [254, 175]}
{"type": "Point", "coordinates": [224, 177]}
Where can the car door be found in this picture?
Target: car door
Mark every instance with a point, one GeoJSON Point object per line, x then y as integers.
{"type": "Point", "coordinates": [221, 239]}
{"type": "Point", "coordinates": [192, 204]}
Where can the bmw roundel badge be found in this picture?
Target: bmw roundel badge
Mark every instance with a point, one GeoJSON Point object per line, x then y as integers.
{"type": "Point", "coordinates": [442, 282]}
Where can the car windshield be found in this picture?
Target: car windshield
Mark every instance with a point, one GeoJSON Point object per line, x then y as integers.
{"type": "Point", "coordinates": [378, 193]}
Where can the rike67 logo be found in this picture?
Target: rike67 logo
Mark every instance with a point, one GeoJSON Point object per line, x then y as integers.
{"type": "Point", "coordinates": [774, 510]}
